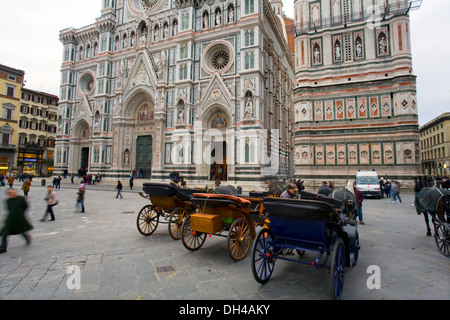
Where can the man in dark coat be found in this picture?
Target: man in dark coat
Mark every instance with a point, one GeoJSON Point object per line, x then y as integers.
{"type": "Point", "coordinates": [16, 222]}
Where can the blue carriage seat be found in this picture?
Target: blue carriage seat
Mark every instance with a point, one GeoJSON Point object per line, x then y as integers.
{"type": "Point", "coordinates": [302, 223]}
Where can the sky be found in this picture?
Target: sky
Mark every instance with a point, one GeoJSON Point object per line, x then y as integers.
{"type": "Point", "coordinates": [29, 37]}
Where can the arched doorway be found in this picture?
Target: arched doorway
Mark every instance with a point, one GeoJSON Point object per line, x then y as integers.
{"type": "Point", "coordinates": [82, 144]}
{"type": "Point", "coordinates": [215, 144]}
{"type": "Point", "coordinates": [144, 156]}
{"type": "Point", "coordinates": [139, 132]}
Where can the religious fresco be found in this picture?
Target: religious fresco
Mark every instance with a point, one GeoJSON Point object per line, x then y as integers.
{"type": "Point", "coordinates": [145, 114]}
{"type": "Point", "coordinates": [219, 121]}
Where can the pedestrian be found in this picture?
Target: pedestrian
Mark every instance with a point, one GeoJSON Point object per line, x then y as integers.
{"type": "Point", "coordinates": [387, 188]}
{"type": "Point", "coordinates": [324, 190]}
{"type": "Point", "coordinates": [395, 189]}
{"type": "Point", "coordinates": [119, 189]}
{"type": "Point", "coordinates": [131, 181]}
{"type": "Point", "coordinates": [381, 182]}
{"type": "Point", "coordinates": [359, 200]}
{"type": "Point", "coordinates": [16, 221]}
{"type": "Point", "coordinates": [80, 197]}
{"type": "Point", "coordinates": [26, 187]}
{"type": "Point", "coordinates": [416, 190]}
{"type": "Point", "coordinates": [290, 192]}
{"type": "Point", "coordinates": [11, 181]}
{"type": "Point", "coordinates": [52, 201]}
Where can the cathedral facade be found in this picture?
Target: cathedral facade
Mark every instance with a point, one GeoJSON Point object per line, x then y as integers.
{"type": "Point", "coordinates": [201, 87]}
{"type": "Point", "coordinates": [355, 97]}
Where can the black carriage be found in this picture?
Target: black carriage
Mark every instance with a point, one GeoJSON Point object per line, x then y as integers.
{"type": "Point", "coordinates": [315, 226]}
{"type": "Point", "coordinates": [167, 201]}
{"type": "Point", "coordinates": [436, 203]}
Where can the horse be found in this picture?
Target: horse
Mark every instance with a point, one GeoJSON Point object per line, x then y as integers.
{"type": "Point", "coordinates": [435, 202]}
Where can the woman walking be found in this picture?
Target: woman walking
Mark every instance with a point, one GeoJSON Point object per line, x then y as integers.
{"type": "Point", "coordinates": [51, 202]}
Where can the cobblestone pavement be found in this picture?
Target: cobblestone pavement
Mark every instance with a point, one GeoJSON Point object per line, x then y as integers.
{"type": "Point", "coordinates": [117, 262]}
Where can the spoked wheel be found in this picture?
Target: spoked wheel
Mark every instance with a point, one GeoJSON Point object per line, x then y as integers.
{"type": "Point", "coordinates": [147, 220]}
{"type": "Point", "coordinates": [176, 222]}
{"type": "Point", "coordinates": [337, 269]}
{"type": "Point", "coordinates": [191, 239]}
{"type": "Point", "coordinates": [442, 238]}
{"type": "Point", "coordinates": [263, 256]}
{"type": "Point", "coordinates": [239, 239]}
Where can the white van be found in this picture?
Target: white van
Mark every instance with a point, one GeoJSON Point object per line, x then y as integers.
{"type": "Point", "coordinates": [368, 183]}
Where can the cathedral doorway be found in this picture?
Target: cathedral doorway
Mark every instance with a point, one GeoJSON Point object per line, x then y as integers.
{"type": "Point", "coordinates": [84, 158]}
{"type": "Point", "coordinates": [217, 121]}
{"type": "Point", "coordinates": [144, 155]}
{"type": "Point", "coordinates": [218, 170]}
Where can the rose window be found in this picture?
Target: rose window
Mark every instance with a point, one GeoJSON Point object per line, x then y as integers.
{"type": "Point", "coordinates": [218, 57]}
{"type": "Point", "coordinates": [220, 60]}
{"type": "Point", "coordinates": [148, 4]}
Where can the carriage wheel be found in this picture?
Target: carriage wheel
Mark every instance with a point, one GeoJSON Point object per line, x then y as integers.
{"type": "Point", "coordinates": [263, 256]}
{"type": "Point", "coordinates": [176, 222]}
{"type": "Point", "coordinates": [337, 269]}
{"type": "Point", "coordinates": [442, 239]}
{"type": "Point", "coordinates": [239, 239]}
{"type": "Point", "coordinates": [191, 239]}
{"type": "Point", "coordinates": [147, 220]}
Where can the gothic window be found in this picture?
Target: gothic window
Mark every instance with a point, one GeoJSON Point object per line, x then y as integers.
{"type": "Point", "coordinates": [249, 6]}
{"type": "Point", "coordinates": [249, 60]}
{"type": "Point", "coordinates": [348, 47]}
{"type": "Point", "coordinates": [88, 51]}
{"type": "Point", "coordinates": [183, 51]}
{"type": "Point", "coordinates": [249, 37]}
{"type": "Point", "coordinates": [183, 71]}
{"type": "Point", "coordinates": [184, 21]}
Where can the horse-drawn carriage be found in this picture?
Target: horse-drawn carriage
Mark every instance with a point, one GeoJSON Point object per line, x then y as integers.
{"type": "Point", "coordinates": [224, 215]}
{"type": "Point", "coordinates": [315, 226]}
{"type": "Point", "coordinates": [167, 201]}
{"type": "Point", "coordinates": [436, 203]}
